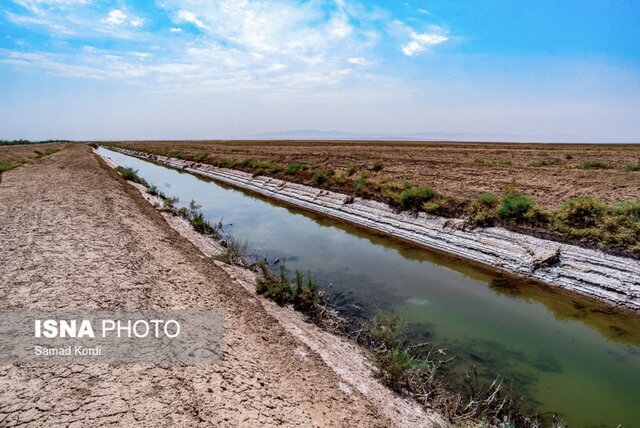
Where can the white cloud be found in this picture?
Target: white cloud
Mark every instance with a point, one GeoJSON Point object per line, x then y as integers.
{"type": "Point", "coordinates": [420, 41]}
{"type": "Point", "coordinates": [176, 30]}
{"type": "Point", "coordinates": [191, 18]}
{"type": "Point", "coordinates": [116, 17]}
{"type": "Point", "coordinates": [423, 11]}
{"type": "Point", "coordinates": [357, 61]}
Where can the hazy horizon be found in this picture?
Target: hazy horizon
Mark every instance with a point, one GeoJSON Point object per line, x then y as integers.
{"type": "Point", "coordinates": [215, 69]}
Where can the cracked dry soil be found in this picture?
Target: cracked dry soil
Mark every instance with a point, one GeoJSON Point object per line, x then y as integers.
{"type": "Point", "coordinates": [73, 234]}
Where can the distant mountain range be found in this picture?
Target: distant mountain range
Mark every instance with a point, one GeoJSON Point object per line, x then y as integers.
{"type": "Point", "coordinates": [313, 134]}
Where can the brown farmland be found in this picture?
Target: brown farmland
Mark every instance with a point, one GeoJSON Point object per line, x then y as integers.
{"type": "Point", "coordinates": [462, 170]}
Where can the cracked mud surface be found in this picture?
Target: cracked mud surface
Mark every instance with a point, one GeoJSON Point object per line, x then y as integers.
{"type": "Point", "coordinates": [73, 234]}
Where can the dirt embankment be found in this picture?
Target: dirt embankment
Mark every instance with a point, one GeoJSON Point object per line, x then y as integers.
{"type": "Point", "coordinates": [547, 172]}
{"type": "Point", "coordinates": [73, 234]}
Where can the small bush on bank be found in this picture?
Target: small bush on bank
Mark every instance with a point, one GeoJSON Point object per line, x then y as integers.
{"type": "Point", "coordinates": [515, 207]}
{"type": "Point", "coordinates": [303, 294]}
{"type": "Point", "coordinates": [6, 166]}
{"type": "Point", "coordinates": [630, 167]}
{"type": "Point", "coordinates": [155, 191]}
{"type": "Point", "coordinates": [377, 166]}
{"type": "Point", "coordinates": [200, 156]}
{"type": "Point", "coordinates": [547, 162]}
{"type": "Point", "coordinates": [581, 213]}
{"type": "Point", "coordinates": [440, 205]}
{"type": "Point", "coordinates": [295, 168]}
{"type": "Point", "coordinates": [482, 210]}
{"type": "Point", "coordinates": [130, 174]}
{"type": "Point", "coordinates": [594, 164]}
{"type": "Point", "coordinates": [235, 251]}
{"type": "Point", "coordinates": [322, 176]}
{"type": "Point", "coordinates": [353, 168]}
{"type": "Point", "coordinates": [414, 198]}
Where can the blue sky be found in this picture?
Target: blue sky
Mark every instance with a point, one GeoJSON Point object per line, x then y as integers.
{"type": "Point", "coordinates": [544, 70]}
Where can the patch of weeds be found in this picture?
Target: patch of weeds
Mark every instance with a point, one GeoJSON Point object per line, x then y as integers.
{"type": "Point", "coordinates": [479, 161]}
{"type": "Point", "coordinates": [441, 205]}
{"type": "Point", "coordinates": [295, 168]}
{"type": "Point", "coordinates": [353, 168]}
{"type": "Point", "coordinates": [276, 169]}
{"type": "Point", "coordinates": [246, 163]}
{"type": "Point", "coordinates": [223, 163]}
{"type": "Point", "coordinates": [6, 166]}
{"type": "Point", "coordinates": [169, 203]}
{"type": "Point", "coordinates": [516, 207]}
{"type": "Point", "coordinates": [581, 213]}
{"type": "Point", "coordinates": [94, 145]}
{"type": "Point", "coordinates": [594, 164]}
{"type": "Point", "coordinates": [201, 225]}
{"type": "Point", "coordinates": [303, 294]}
{"type": "Point", "coordinates": [130, 174]}
{"type": "Point", "coordinates": [359, 183]}
{"type": "Point", "coordinates": [200, 156]}
{"type": "Point", "coordinates": [50, 150]}
{"type": "Point", "coordinates": [341, 179]}
{"type": "Point", "coordinates": [415, 197]}
{"type": "Point", "coordinates": [155, 191]}
{"type": "Point", "coordinates": [482, 210]}
{"type": "Point", "coordinates": [630, 167]}
{"type": "Point", "coordinates": [547, 162]}
{"type": "Point", "coordinates": [322, 176]}
{"type": "Point", "coordinates": [235, 251]}
{"type": "Point", "coordinates": [377, 166]}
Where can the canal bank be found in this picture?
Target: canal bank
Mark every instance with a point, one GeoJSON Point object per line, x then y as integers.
{"type": "Point", "coordinates": [561, 353]}
{"type": "Point", "coordinates": [609, 278]}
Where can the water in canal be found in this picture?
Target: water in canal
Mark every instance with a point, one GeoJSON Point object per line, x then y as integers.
{"type": "Point", "coordinates": [561, 353]}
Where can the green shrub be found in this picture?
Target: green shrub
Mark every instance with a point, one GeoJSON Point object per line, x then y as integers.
{"type": "Point", "coordinates": [482, 210]}
{"type": "Point", "coordinates": [275, 169]}
{"type": "Point", "coordinates": [200, 156]}
{"type": "Point", "coordinates": [377, 166]}
{"type": "Point", "coordinates": [632, 167]}
{"type": "Point", "coordinates": [294, 168]}
{"type": "Point", "coordinates": [359, 183]}
{"type": "Point", "coordinates": [235, 251]}
{"type": "Point", "coordinates": [594, 164]}
{"type": "Point", "coordinates": [439, 205]}
{"type": "Point", "coordinates": [6, 166]}
{"type": "Point", "coordinates": [246, 163]}
{"type": "Point", "coordinates": [515, 207]}
{"type": "Point", "coordinates": [353, 168]}
{"type": "Point", "coordinates": [303, 295]}
{"type": "Point", "coordinates": [155, 191]}
{"type": "Point", "coordinates": [223, 163]}
{"type": "Point", "coordinates": [50, 150]}
{"type": "Point", "coordinates": [415, 197]}
{"type": "Point", "coordinates": [322, 176]}
{"type": "Point", "coordinates": [547, 162]}
{"type": "Point", "coordinates": [130, 174]}
{"type": "Point", "coordinates": [582, 213]}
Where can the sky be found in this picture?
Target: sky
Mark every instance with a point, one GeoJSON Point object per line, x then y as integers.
{"type": "Point", "coordinates": [547, 70]}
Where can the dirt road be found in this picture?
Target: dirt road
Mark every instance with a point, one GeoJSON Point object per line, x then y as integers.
{"type": "Point", "coordinates": [73, 234]}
